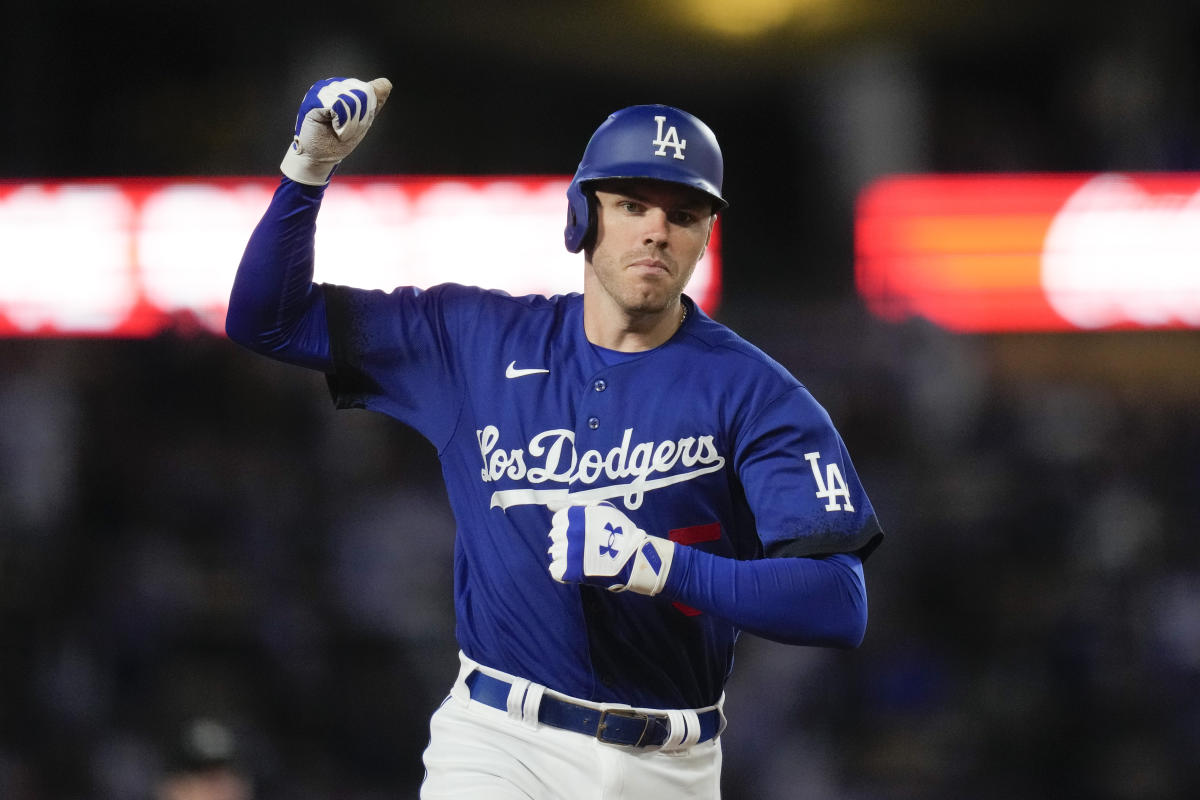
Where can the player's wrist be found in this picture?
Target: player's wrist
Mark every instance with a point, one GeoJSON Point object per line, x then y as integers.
{"type": "Point", "coordinates": [651, 566]}
{"type": "Point", "coordinates": [303, 169]}
{"type": "Point", "coordinates": [308, 192]}
{"type": "Point", "coordinates": [682, 561]}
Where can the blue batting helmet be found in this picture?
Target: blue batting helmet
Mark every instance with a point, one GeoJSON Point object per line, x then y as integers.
{"type": "Point", "coordinates": [652, 141]}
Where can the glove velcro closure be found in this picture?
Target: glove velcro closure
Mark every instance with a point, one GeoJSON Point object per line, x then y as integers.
{"type": "Point", "coordinates": [303, 169]}
{"type": "Point", "coordinates": [651, 565]}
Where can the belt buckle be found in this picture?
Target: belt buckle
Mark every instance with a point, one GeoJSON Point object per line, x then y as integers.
{"type": "Point", "coordinates": [601, 725]}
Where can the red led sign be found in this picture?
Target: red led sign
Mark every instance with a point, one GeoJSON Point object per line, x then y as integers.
{"type": "Point", "coordinates": [1032, 252]}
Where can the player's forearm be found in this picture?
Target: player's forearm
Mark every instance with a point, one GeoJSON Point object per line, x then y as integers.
{"type": "Point", "coordinates": [274, 308]}
{"type": "Point", "coordinates": [808, 601]}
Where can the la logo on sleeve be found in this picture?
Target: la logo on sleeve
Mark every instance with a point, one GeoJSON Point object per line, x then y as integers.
{"type": "Point", "coordinates": [832, 486]}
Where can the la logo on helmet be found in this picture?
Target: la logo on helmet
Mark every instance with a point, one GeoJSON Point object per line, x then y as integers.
{"type": "Point", "coordinates": [670, 140]}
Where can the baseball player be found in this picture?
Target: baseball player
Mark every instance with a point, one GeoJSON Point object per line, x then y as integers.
{"type": "Point", "coordinates": [633, 484]}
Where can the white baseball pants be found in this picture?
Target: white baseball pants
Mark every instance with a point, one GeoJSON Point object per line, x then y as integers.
{"type": "Point", "coordinates": [483, 753]}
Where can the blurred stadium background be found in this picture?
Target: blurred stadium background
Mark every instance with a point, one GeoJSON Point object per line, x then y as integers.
{"type": "Point", "coordinates": [187, 530]}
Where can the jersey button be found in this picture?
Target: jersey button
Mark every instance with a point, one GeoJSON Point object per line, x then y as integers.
{"type": "Point", "coordinates": [600, 385]}
{"type": "Point", "coordinates": [593, 422]}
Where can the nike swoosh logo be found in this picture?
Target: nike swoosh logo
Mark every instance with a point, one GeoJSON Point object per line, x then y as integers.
{"type": "Point", "coordinates": [512, 372]}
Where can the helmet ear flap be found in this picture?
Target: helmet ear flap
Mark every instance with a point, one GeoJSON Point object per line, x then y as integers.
{"type": "Point", "coordinates": [581, 218]}
{"type": "Point", "coordinates": [593, 218]}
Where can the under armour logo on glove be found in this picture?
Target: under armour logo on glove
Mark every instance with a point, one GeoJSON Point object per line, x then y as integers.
{"type": "Point", "coordinates": [597, 544]}
{"type": "Point", "coordinates": [613, 533]}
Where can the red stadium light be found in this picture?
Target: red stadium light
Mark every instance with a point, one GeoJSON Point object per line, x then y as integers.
{"type": "Point", "coordinates": [1032, 252]}
{"type": "Point", "coordinates": [134, 257]}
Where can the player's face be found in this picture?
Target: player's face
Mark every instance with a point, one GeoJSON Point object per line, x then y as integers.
{"type": "Point", "coordinates": [649, 236]}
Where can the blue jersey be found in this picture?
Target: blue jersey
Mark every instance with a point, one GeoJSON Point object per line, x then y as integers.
{"type": "Point", "coordinates": [705, 440]}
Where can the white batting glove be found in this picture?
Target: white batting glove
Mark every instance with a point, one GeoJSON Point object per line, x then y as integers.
{"type": "Point", "coordinates": [597, 544]}
{"type": "Point", "coordinates": [334, 116]}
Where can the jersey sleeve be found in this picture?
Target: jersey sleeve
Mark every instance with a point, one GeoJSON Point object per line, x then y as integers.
{"type": "Point", "coordinates": [396, 353]}
{"type": "Point", "coordinates": [274, 308]}
{"type": "Point", "coordinates": [800, 483]}
{"type": "Point", "coordinates": [806, 601]}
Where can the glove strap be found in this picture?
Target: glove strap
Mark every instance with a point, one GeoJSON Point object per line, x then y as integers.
{"type": "Point", "coordinates": [651, 565]}
{"type": "Point", "coordinates": [303, 169]}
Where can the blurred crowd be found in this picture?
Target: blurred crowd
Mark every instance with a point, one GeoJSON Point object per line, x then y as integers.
{"type": "Point", "coordinates": [189, 532]}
